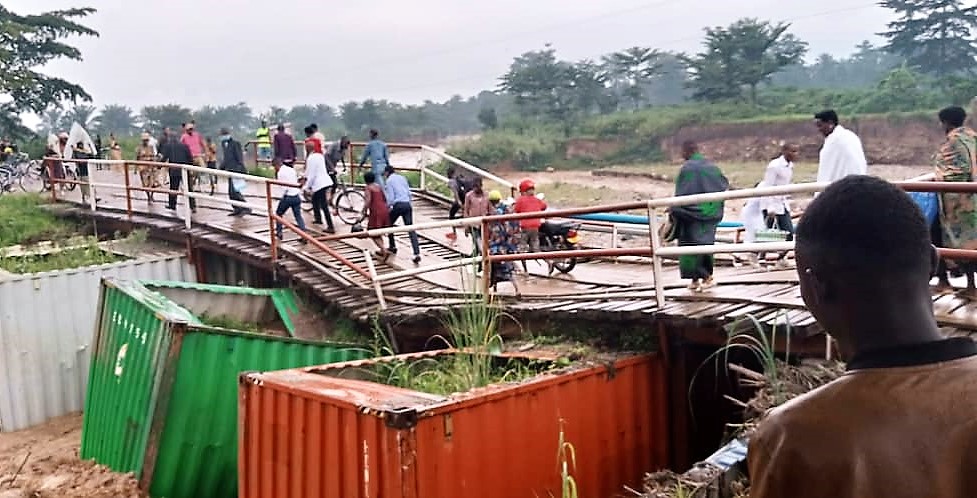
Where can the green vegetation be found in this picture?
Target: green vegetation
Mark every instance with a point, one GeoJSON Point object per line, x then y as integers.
{"type": "Point", "coordinates": [23, 220]}
{"type": "Point", "coordinates": [263, 171]}
{"type": "Point", "coordinates": [472, 329]}
{"type": "Point", "coordinates": [226, 322]}
{"type": "Point", "coordinates": [567, 456]}
{"type": "Point", "coordinates": [76, 257]}
{"type": "Point", "coordinates": [30, 42]}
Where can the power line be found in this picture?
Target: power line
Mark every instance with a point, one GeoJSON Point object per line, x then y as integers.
{"type": "Point", "coordinates": [666, 42]}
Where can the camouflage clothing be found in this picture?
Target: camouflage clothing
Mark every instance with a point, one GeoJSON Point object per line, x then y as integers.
{"type": "Point", "coordinates": [955, 162]}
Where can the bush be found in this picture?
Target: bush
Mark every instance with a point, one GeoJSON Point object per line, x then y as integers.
{"type": "Point", "coordinates": [533, 150]}
{"type": "Point", "coordinates": [23, 220]}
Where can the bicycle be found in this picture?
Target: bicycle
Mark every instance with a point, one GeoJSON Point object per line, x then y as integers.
{"type": "Point", "coordinates": [69, 174]}
{"type": "Point", "coordinates": [18, 169]}
{"type": "Point", "coordinates": [347, 202]}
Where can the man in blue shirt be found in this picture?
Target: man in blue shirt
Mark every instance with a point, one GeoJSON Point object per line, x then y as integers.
{"type": "Point", "coordinates": [376, 152]}
{"type": "Point", "coordinates": [397, 191]}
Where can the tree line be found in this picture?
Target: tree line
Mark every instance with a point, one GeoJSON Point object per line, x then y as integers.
{"type": "Point", "coordinates": [929, 56]}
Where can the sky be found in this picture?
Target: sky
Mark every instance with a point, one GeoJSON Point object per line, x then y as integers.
{"type": "Point", "coordinates": [289, 52]}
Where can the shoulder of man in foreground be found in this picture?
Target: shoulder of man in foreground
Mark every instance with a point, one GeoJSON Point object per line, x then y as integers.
{"type": "Point", "coordinates": [792, 442]}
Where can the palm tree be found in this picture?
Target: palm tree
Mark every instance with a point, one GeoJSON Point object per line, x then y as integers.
{"type": "Point", "coordinates": [50, 121]}
{"type": "Point", "coordinates": [81, 114]}
{"type": "Point", "coordinates": [116, 119]}
{"type": "Point", "coordinates": [633, 69]}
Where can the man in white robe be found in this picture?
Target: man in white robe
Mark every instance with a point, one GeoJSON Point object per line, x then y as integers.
{"type": "Point", "coordinates": [842, 153]}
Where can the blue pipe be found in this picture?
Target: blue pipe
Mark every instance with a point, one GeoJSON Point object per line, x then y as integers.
{"type": "Point", "coordinates": [634, 219]}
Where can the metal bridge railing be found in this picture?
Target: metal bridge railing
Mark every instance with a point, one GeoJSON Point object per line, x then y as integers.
{"type": "Point", "coordinates": [654, 249]}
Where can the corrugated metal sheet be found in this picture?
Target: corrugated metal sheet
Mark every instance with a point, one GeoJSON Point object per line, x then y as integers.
{"type": "Point", "coordinates": [246, 304]}
{"type": "Point", "coordinates": [163, 395]}
{"type": "Point", "coordinates": [308, 434]}
{"type": "Point", "coordinates": [46, 325]}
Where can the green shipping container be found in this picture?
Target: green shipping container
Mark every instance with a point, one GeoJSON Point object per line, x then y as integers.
{"type": "Point", "coordinates": [162, 390]}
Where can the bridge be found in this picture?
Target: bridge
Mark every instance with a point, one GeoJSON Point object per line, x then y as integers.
{"type": "Point", "coordinates": [636, 284]}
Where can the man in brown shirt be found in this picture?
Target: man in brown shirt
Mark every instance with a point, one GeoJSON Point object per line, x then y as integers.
{"type": "Point", "coordinates": [902, 421]}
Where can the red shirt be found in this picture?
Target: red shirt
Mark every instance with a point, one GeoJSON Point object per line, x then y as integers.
{"type": "Point", "coordinates": [529, 204]}
{"type": "Point", "coordinates": [315, 143]}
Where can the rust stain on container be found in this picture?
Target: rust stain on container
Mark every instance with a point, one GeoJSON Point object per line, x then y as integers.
{"type": "Point", "coordinates": [308, 433]}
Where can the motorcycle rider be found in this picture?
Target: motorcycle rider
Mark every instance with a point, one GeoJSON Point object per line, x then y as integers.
{"type": "Point", "coordinates": [528, 202]}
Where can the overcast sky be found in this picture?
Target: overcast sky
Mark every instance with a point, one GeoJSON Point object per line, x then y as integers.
{"type": "Point", "coordinates": [288, 52]}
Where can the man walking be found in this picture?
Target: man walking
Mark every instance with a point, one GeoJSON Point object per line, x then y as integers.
{"type": "Point", "coordinates": [317, 181]}
{"type": "Point", "coordinates": [376, 152]}
{"type": "Point", "coordinates": [335, 154]}
{"type": "Point", "coordinates": [842, 153]}
{"type": "Point", "coordinates": [263, 136]}
{"type": "Point", "coordinates": [696, 224]}
{"type": "Point", "coordinates": [290, 197]}
{"type": "Point", "coordinates": [398, 195]}
{"type": "Point", "coordinates": [284, 146]}
{"type": "Point", "coordinates": [233, 161]}
{"type": "Point", "coordinates": [194, 142]}
{"type": "Point", "coordinates": [776, 209]}
{"type": "Point", "coordinates": [176, 152]}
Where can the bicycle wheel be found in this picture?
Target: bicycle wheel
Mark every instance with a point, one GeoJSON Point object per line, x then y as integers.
{"type": "Point", "coordinates": [6, 184]}
{"type": "Point", "coordinates": [350, 206]}
{"type": "Point", "coordinates": [30, 175]}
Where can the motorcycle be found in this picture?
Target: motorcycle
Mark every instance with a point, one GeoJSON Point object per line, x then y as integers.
{"type": "Point", "coordinates": [560, 236]}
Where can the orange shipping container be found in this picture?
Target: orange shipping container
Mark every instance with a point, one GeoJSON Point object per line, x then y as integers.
{"type": "Point", "coordinates": [307, 434]}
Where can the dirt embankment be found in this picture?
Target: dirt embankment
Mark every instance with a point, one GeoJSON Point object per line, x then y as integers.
{"type": "Point", "coordinates": [42, 462]}
{"type": "Point", "coordinates": [902, 140]}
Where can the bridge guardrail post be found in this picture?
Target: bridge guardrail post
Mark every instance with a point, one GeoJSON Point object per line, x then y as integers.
{"type": "Point", "coordinates": [377, 287]}
{"type": "Point", "coordinates": [271, 229]}
{"type": "Point", "coordinates": [486, 260]}
{"type": "Point", "coordinates": [185, 190]}
{"type": "Point", "coordinates": [656, 260]}
{"type": "Point", "coordinates": [125, 171]}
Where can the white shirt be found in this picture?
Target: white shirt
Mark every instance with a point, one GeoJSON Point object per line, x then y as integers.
{"type": "Point", "coordinates": [287, 174]}
{"type": "Point", "coordinates": [842, 155]}
{"type": "Point", "coordinates": [780, 172]}
{"type": "Point", "coordinates": [316, 176]}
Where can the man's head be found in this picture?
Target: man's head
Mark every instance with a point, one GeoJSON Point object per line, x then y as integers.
{"type": "Point", "coordinates": [225, 132]}
{"type": "Point", "coordinates": [389, 170]}
{"type": "Point", "coordinates": [790, 151]}
{"type": "Point", "coordinates": [451, 172]}
{"type": "Point", "coordinates": [343, 142]}
{"type": "Point", "coordinates": [281, 128]}
{"type": "Point", "coordinates": [952, 118]}
{"type": "Point", "coordinates": [374, 134]}
{"type": "Point", "coordinates": [826, 121]}
{"type": "Point", "coordinates": [190, 128]}
{"type": "Point", "coordinates": [80, 145]}
{"type": "Point", "coordinates": [309, 131]}
{"type": "Point", "coordinates": [370, 177]}
{"type": "Point", "coordinates": [689, 149]}
{"type": "Point", "coordinates": [477, 185]}
{"type": "Point", "coordinates": [864, 256]}
{"type": "Point", "coordinates": [145, 138]}
{"type": "Point", "coordinates": [314, 127]}
{"type": "Point", "coordinates": [264, 124]}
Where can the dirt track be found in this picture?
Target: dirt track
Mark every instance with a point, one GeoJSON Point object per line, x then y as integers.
{"type": "Point", "coordinates": [51, 468]}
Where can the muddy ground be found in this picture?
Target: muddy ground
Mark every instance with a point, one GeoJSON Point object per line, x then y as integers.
{"type": "Point", "coordinates": [42, 462]}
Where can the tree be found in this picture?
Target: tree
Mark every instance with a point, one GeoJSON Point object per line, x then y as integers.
{"type": "Point", "coordinates": [50, 120]}
{"type": "Point", "coordinates": [633, 69]}
{"type": "Point", "coordinates": [488, 118]}
{"type": "Point", "coordinates": [81, 114]}
{"type": "Point", "coordinates": [116, 119]}
{"type": "Point", "coordinates": [935, 36]}
{"type": "Point", "coordinates": [275, 116]}
{"type": "Point", "coordinates": [157, 117]}
{"type": "Point", "coordinates": [539, 85]}
{"type": "Point", "coordinates": [29, 42]}
{"type": "Point", "coordinates": [588, 87]}
{"type": "Point", "coordinates": [743, 55]}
